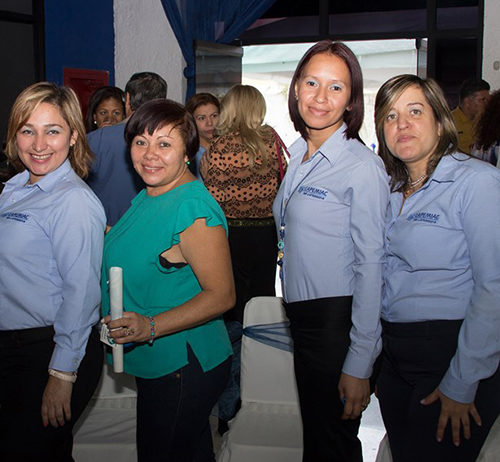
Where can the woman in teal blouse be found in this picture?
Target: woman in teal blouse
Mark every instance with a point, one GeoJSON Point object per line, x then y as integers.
{"type": "Point", "coordinates": [177, 281]}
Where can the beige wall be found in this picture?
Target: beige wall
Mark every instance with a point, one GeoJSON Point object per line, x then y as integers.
{"type": "Point", "coordinates": [144, 41]}
{"type": "Point", "coordinates": [491, 39]}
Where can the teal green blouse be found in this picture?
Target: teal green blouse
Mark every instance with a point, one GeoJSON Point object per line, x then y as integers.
{"type": "Point", "coordinates": [151, 226]}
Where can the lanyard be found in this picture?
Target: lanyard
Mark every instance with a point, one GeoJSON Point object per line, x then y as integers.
{"type": "Point", "coordinates": [287, 195]}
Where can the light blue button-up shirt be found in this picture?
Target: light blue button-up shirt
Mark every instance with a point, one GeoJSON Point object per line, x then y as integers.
{"type": "Point", "coordinates": [333, 208]}
{"type": "Point", "coordinates": [51, 239]}
{"type": "Point", "coordinates": [443, 262]}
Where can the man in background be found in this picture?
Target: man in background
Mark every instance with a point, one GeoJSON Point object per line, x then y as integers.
{"type": "Point", "coordinates": [113, 178]}
{"type": "Point", "coordinates": [474, 94]}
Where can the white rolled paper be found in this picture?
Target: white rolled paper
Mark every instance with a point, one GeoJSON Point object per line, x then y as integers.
{"type": "Point", "coordinates": [116, 304]}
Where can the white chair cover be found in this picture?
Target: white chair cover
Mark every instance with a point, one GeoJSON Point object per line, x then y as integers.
{"type": "Point", "coordinates": [268, 427]}
{"type": "Point", "coordinates": [106, 430]}
{"type": "Point", "coordinates": [490, 451]}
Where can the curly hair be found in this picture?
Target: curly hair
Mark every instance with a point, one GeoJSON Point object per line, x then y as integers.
{"type": "Point", "coordinates": [488, 126]}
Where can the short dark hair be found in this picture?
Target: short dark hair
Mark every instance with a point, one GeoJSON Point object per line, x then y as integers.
{"type": "Point", "coordinates": [201, 99]}
{"type": "Point", "coordinates": [470, 86]}
{"type": "Point", "coordinates": [97, 97]}
{"type": "Point", "coordinates": [160, 112]}
{"type": "Point", "coordinates": [145, 86]}
{"type": "Point", "coordinates": [354, 117]}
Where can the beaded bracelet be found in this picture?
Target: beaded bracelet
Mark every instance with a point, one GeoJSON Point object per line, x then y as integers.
{"type": "Point", "coordinates": [152, 330]}
{"type": "Point", "coordinates": [62, 376]}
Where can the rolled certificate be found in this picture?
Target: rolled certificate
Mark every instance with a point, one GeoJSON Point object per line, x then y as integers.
{"type": "Point", "coordinates": [116, 304]}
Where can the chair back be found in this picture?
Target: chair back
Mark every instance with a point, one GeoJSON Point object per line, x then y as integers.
{"type": "Point", "coordinates": [267, 374]}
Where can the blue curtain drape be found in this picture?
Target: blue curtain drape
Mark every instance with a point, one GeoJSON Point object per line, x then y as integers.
{"type": "Point", "coordinates": [219, 21]}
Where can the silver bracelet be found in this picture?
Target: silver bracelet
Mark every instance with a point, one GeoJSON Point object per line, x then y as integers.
{"type": "Point", "coordinates": [61, 375]}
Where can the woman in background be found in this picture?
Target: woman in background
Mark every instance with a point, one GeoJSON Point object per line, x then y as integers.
{"type": "Point", "coordinates": [206, 110]}
{"type": "Point", "coordinates": [487, 146]}
{"type": "Point", "coordinates": [242, 171]}
{"type": "Point", "coordinates": [439, 379]}
{"type": "Point", "coordinates": [177, 282]}
{"type": "Point", "coordinates": [106, 107]}
{"type": "Point", "coordinates": [330, 213]}
{"type": "Point", "coordinates": [52, 232]}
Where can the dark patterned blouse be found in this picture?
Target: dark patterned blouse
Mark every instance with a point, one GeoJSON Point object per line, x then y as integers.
{"type": "Point", "coordinates": [242, 191]}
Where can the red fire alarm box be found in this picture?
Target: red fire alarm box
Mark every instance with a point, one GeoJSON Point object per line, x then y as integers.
{"type": "Point", "coordinates": [85, 82]}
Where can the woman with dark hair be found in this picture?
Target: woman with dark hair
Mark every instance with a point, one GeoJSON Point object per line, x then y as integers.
{"type": "Point", "coordinates": [439, 379]}
{"type": "Point", "coordinates": [487, 130]}
{"type": "Point", "coordinates": [206, 110]}
{"type": "Point", "coordinates": [106, 107]}
{"type": "Point", "coordinates": [330, 213]}
{"type": "Point", "coordinates": [177, 282]}
{"type": "Point", "coordinates": [52, 228]}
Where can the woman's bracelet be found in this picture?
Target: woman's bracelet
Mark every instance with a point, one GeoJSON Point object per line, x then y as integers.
{"type": "Point", "coordinates": [63, 375]}
{"type": "Point", "coordinates": [152, 331]}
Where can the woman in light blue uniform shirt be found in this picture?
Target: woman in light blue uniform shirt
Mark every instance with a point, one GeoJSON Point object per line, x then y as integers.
{"type": "Point", "coordinates": [330, 213]}
{"type": "Point", "coordinates": [52, 233]}
{"type": "Point", "coordinates": [439, 385]}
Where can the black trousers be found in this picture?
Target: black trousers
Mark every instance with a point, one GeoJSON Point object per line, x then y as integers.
{"type": "Point", "coordinates": [173, 412]}
{"type": "Point", "coordinates": [415, 358]}
{"type": "Point", "coordinates": [320, 332]}
{"type": "Point", "coordinates": [253, 256]}
{"type": "Point", "coordinates": [24, 360]}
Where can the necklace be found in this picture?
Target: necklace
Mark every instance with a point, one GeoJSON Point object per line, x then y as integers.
{"type": "Point", "coordinates": [412, 184]}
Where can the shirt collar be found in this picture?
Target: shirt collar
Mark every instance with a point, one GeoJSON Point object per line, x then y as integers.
{"type": "Point", "coordinates": [331, 149]}
{"type": "Point", "coordinates": [46, 183]}
{"type": "Point", "coordinates": [446, 170]}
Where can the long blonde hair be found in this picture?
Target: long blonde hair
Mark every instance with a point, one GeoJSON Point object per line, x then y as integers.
{"type": "Point", "coordinates": [243, 109]}
{"type": "Point", "coordinates": [66, 101]}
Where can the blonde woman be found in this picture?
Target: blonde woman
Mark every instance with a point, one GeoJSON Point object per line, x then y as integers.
{"type": "Point", "coordinates": [241, 170]}
{"type": "Point", "coordinates": [52, 228]}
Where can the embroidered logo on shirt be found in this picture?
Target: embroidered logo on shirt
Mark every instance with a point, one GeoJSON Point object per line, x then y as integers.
{"type": "Point", "coordinates": [15, 216]}
{"type": "Point", "coordinates": [311, 191]}
{"type": "Point", "coordinates": [424, 216]}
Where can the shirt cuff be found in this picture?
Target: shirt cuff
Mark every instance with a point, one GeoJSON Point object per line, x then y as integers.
{"type": "Point", "coordinates": [457, 389]}
{"type": "Point", "coordinates": [356, 366]}
{"type": "Point", "coordinates": [64, 360]}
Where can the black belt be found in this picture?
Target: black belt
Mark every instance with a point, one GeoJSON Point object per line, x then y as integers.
{"type": "Point", "coordinates": [250, 222]}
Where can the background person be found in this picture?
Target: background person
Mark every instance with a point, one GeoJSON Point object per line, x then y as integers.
{"type": "Point", "coordinates": [487, 145]}
{"type": "Point", "coordinates": [440, 316]}
{"type": "Point", "coordinates": [177, 282]}
{"type": "Point", "coordinates": [330, 213]}
{"type": "Point", "coordinates": [206, 110]}
{"type": "Point", "coordinates": [52, 229]}
{"type": "Point", "coordinates": [241, 170]}
{"type": "Point", "coordinates": [112, 177]}
{"type": "Point", "coordinates": [106, 107]}
{"type": "Point", "coordinates": [474, 94]}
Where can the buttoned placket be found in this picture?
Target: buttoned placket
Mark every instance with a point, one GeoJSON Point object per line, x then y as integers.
{"type": "Point", "coordinates": [299, 176]}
